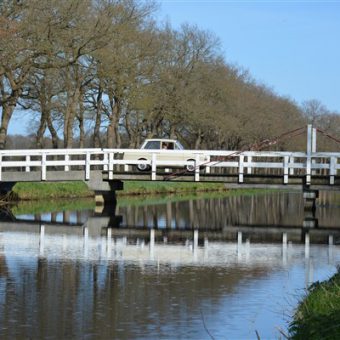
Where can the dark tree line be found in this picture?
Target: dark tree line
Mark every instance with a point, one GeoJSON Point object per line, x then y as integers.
{"type": "Point", "coordinates": [103, 73]}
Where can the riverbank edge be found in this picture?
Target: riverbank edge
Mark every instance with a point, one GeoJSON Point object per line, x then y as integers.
{"type": "Point", "coordinates": [318, 314]}
{"type": "Point", "coordinates": [71, 190]}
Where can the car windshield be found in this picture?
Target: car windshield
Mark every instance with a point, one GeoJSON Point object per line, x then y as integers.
{"type": "Point", "coordinates": [178, 146]}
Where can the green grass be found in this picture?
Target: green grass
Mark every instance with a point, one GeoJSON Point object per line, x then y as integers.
{"type": "Point", "coordinates": [56, 190]}
{"type": "Point", "coordinates": [50, 190]}
{"type": "Point", "coordinates": [318, 315]}
{"type": "Point", "coordinates": [142, 188]}
{"type": "Point", "coordinates": [42, 206]}
{"type": "Point", "coordinates": [68, 190]}
{"type": "Point", "coordinates": [47, 206]}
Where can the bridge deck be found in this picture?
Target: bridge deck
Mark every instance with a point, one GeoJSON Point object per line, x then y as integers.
{"type": "Point", "coordinates": [232, 181]}
{"type": "Point", "coordinates": [244, 169]}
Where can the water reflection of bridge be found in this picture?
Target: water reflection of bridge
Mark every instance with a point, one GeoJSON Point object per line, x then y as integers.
{"type": "Point", "coordinates": [266, 217]}
{"type": "Point", "coordinates": [166, 246]}
{"type": "Point", "coordinates": [109, 278]}
{"type": "Point", "coordinates": [101, 227]}
{"type": "Point", "coordinates": [142, 247]}
{"type": "Point", "coordinates": [255, 218]}
{"type": "Point", "coordinates": [269, 209]}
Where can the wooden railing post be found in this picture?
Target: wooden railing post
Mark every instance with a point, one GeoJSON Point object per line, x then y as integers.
{"type": "Point", "coordinates": [249, 168]}
{"type": "Point", "coordinates": [241, 168]}
{"type": "Point", "coordinates": [153, 167]}
{"type": "Point", "coordinates": [67, 159]}
{"type": "Point", "coordinates": [291, 161]}
{"type": "Point", "coordinates": [43, 167]}
{"type": "Point", "coordinates": [285, 169]}
{"type": "Point", "coordinates": [332, 170]}
{"type": "Point", "coordinates": [87, 166]}
{"type": "Point", "coordinates": [111, 160]}
{"type": "Point", "coordinates": [207, 168]}
{"type": "Point", "coordinates": [28, 159]}
{"type": "Point", "coordinates": [197, 168]}
{"type": "Point", "coordinates": [106, 162]}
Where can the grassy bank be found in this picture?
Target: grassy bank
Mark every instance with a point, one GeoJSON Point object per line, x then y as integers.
{"type": "Point", "coordinates": [50, 190]}
{"type": "Point", "coordinates": [47, 206]}
{"type": "Point", "coordinates": [71, 190]}
{"type": "Point", "coordinates": [56, 190]}
{"type": "Point", "coordinates": [318, 315]}
{"type": "Point", "coordinates": [145, 188]}
{"type": "Point", "coordinates": [53, 205]}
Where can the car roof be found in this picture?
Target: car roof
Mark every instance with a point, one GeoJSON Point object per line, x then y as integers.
{"type": "Point", "coordinates": [160, 140]}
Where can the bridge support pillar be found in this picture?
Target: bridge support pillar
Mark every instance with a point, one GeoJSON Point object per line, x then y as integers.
{"type": "Point", "coordinates": [103, 197]}
{"type": "Point", "coordinates": [310, 197]}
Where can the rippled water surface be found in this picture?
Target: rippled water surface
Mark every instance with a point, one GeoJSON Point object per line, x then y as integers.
{"type": "Point", "coordinates": [73, 277]}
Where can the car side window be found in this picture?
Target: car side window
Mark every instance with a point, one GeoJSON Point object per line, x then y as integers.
{"type": "Point", "coordinates": [153, 144]}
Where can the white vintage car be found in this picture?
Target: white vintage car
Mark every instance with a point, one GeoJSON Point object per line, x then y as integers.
{"type": "Point", "coordinates": [170, 150]}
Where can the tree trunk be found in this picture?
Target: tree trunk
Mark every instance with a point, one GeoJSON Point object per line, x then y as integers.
{"type": "Point", "coordinates": [53, 132]}
{"type": "Point", "coordinates": [96, 131]}
{"type": "Point", "coordinates": [40, 132]}
{"type": "Point", "coordinates": [112, 138]}
{"type": "Point", "coordinates": [68, 139]}
{"type": "Point", "coordinates": [172, 133]}
{"type": "Point", "coordinates": [81, 122]}
{"type": "Point", "coordinates": [112, 130]}
{"type": "Point", "coordinates": [43, 123]}
{"type": "Point", "coordinates": [130, 132]}
{"type": "Point", "coordinates": [73, 94]}
{"type": "Point", "coordinates": [7, 111]}
{"type": "Point", "coordinates": [198, 139]}
{"type": "Point", "coordinates": [81, 130]}
{"type": "Point", "coordinates": [69, 118]}
{"type": "Point", "coordinates": [117, 134]}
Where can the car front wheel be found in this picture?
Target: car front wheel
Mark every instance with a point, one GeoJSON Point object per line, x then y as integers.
{"type": "Point", "coordinates": [143, 167]}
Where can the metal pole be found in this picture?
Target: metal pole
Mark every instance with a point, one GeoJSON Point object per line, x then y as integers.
{"type": "Point", "coordinates": [309, 153]}
{"type": "Point", "coordinates": [309, 139]}
{"type": "Point", "coordinates": [314, 140]}
{"type": "Point", "coordinates": [313, 147]}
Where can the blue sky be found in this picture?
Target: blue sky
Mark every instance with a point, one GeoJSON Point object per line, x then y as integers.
{"type": "Point", "coordinates": [291, 46]}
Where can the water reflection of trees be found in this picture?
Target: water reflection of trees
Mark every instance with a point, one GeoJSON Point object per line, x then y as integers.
{"type": "Point", "coordinates": [110, 300]}
{"type": "Point", "coordinates": [216, 213]}
{"type": "Point", "coordinates": [274, 209]}
{"type": "Point", "coordinates": [3, 265]}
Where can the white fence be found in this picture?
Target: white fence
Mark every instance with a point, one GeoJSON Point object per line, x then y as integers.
{"type": "Point", "coordinates": [205, 162]}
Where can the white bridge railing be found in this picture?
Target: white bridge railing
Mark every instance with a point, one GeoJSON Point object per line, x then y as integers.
{"type": "Point", "coordinates": [205, 162]}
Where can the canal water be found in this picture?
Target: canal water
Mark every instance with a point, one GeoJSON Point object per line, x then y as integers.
{"type": "Point", "coordinates": [214, 267]}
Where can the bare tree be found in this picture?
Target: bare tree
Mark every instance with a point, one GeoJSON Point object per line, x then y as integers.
{"type": "Point", "coordinates": [17, 55]}
{"type": "Point", "coordinates": [313, 110]}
